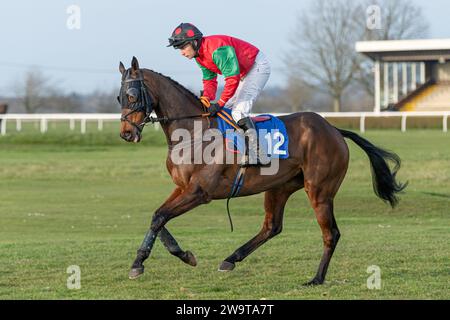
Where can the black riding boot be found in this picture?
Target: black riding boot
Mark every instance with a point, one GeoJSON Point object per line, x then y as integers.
{"type": "Point", "coordinates": [252, 157]}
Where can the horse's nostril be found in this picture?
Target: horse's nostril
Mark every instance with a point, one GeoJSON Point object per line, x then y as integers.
{"type": "Point", "coordinates": [126, 135]}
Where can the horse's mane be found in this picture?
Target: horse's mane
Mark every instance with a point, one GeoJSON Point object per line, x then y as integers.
{"type": "Point", "coordinates": [180, 87]}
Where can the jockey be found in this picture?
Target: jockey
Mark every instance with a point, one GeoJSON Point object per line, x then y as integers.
{"type": "Point", "coordinates": [244, 67]}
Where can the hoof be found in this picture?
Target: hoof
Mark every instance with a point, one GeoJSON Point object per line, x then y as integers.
{"type": "Point", "coordinates": [226, 266]}
{"type": "Point", "coordinates": [189, 258]}
{"type": "Point", "coordinates": [313, 282]}
{"type": "Point", "coordinates": [135, 272]}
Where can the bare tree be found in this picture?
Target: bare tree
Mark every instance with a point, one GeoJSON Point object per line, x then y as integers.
{"type": "Point", "coordinates": [103, 101]}
{"type": "Point", "coordinates": [399, 20]}
{"type": "Point", "coordinates": [297, 94]}
{"type": "Point", "coordinates": [61, 102]}
{"type": "Point", "coordinates": [323, 53]}
{"type": "Point", "coordinates": [32, 91]}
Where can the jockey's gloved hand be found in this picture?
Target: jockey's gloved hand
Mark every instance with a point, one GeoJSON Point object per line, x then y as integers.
{"type": "Point", "coordinates": [205, 101]}
{"type": "Point", "coordinates": [214, 108]}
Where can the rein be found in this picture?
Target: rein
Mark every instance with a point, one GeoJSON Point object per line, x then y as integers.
{"type": "Point", "coordinates": [237, 185]}
{"type": "Point", "coordinates": [144, 103]}
{"type": "Point", "coordinates": [166, 119]}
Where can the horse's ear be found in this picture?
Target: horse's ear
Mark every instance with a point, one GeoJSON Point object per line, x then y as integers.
{"type": "Point", "coordinates": [135, 64]}
{"type": "Point", "coordinates": [121, 68]}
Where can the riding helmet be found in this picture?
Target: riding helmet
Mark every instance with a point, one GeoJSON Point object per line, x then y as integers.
{"type": "Point", "coordinates": [185, 32]}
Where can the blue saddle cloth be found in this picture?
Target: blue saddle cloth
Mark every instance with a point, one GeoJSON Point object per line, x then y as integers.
{"type": "Point", "coordinates": [272, 136]}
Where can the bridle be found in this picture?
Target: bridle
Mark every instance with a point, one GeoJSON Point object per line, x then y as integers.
{"type": "Point", "coordinates": [141, 101]}
{"type": "Point", "coordinates": [135, 96]}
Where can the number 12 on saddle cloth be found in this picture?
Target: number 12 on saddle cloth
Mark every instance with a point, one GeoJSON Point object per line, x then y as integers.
{"type": "Point", "coordinates": [272, 136]}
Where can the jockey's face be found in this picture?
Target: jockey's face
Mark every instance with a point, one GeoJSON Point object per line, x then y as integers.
{"type": "Point", "coordinates": [188, 51]}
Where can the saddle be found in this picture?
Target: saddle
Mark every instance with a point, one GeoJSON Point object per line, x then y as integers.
{"type": "Point", "coordinates": [272, 134]}
{"type": "Point", "coordinates": [260, 119]}
{"type": "Point", "coordinates": [226, 116]}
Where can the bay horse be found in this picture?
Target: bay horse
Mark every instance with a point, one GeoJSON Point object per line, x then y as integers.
{"type": "Point", "coordinates": [3, 110]}
{"type": "Point", "coordinates": [318, 163]}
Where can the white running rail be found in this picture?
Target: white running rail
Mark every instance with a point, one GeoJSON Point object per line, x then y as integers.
{"type": "Point", "coordinates": [44, 118]}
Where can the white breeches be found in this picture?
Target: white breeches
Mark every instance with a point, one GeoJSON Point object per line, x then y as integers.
{"type": "Point", "coordinates": [249, 88]}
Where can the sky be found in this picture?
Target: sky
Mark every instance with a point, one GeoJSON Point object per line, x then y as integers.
{"type": "Point", "coordinates": [34, 34]}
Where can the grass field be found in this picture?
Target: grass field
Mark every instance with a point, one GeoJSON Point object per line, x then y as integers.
{"type": "Point", "coordinates": [68, 199]}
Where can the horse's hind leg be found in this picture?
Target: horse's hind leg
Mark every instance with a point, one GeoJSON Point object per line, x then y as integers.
{"type": "Point", "coordinates": [323, 208]}
{"type": "Point", "coordinates": [274, 203]}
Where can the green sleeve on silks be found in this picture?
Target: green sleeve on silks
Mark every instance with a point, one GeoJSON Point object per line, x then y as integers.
{"type": "Point", "coordinates": [207, 74]}
{"type": "Point", "coordinates": [226, 60]}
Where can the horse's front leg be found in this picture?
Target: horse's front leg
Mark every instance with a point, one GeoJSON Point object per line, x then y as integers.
{"type": "Point", "coordinates": [185, 201]}
{"type": "Point", "coordinates": [173, 247]}
{"type": "Point", "coordinates": [169, 241]}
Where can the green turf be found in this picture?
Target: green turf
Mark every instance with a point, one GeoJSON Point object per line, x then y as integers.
{"type": "Point", "coordinates": [70, 199]}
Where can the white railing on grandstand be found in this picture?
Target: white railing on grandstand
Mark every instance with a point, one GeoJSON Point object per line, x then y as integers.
{"type": "Point", "coordinates": [101, 117]}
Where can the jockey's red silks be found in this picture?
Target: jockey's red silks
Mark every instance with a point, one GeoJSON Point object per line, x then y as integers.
{"type": "Point", "coordinates": [229, 56]}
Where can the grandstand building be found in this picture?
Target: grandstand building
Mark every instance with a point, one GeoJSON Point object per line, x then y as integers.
{"type": "Point", "coordinates": [410, 75]}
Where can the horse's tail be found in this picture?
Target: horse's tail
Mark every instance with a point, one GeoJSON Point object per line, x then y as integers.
{"type": "Point", "coordinates": [383, 178]}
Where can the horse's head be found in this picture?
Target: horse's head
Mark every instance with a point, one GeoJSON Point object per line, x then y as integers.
{"type": "Point", "coordinates": [135, 101]}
